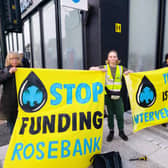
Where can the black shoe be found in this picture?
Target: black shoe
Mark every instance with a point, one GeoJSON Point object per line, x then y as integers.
{"type": "Point", "coordinates": [110, 136]}
{"type": "Point", "coordinates": [105, 115]}
{"type": "Point", "coordinates": [164, 125]}
{"type": "Point", "coordinates": [123, 136]}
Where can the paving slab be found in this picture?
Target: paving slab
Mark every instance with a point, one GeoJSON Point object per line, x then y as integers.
{"type": "Point", "coordinates": [136, 146]}
{"type": "Point", "coordinates": [4, 134]}
{"type": "Point", "coordinates": [3, 150]}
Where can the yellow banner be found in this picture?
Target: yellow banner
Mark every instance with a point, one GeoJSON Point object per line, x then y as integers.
{"type": "Point", "coordinates": [148, 94]}
{"type": "Point", "coordinates": [60, 119]}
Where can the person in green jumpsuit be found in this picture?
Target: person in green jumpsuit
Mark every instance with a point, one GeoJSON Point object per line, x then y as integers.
{"type": "Point", "coordinates": [113, 100]}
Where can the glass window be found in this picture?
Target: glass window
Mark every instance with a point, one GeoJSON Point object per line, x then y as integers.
{"type": "Point", "coordinates": [7, 44]}
{"type": "Point", "coordinates": [49, 27]}
{"type": "Point", "coordinates": [71, 28]}
{"type": "Point", "coordinates": [36, 41]}
{"type": "Point", "coordinates": [165, 51]}
{"type": "Point", "coordinates": [20, 42]}
{"type": "Point", "coordinates": [10, 41]}
{"type": "Point", "coordinates": [142, 34]}
{"type": "Point", "coordinates": [15, 42]}
{"type": "Point", "coordinates": [27, 46]}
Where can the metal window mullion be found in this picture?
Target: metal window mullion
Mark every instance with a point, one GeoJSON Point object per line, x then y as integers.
{"type": "Point", "coordinates": [84, 38]}
{"type": "Point", "coordinates": [160, 32]}
{"type": "Point", "coordinates": [17, 43]}
{"type": "Point", "coordinates": [31, 40]}
{"type": "Point", "coordinates": [12, 41]}
{"type": "Point", "coordinates": [58, 33]}
{"type": "Point", "coordinates": [23, 42]}
{"type": "Point", "coordinates": [42, 38]}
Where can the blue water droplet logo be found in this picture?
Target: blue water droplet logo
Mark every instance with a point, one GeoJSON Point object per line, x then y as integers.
{"type": "Point", "coordinates": [76, 1]}
{"type": "Point", "coordinates": [146, 94]}
{"type": "Point", "coordinates": [32, 94]}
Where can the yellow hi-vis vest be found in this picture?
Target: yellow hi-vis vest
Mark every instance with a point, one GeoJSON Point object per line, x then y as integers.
{"type": "Point", "coordinates": [114, 85]}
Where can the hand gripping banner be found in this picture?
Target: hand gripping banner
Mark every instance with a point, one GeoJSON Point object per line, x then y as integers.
{"type": "Point", "coordinates": [148, 94]}
{"type": "Point", "coordinates": [60, 118]}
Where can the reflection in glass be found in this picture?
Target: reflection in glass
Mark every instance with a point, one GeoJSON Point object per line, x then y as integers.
{"type": "Point", "coordinates": [165, 51]}
{"type": "Point", "coordinates": [15, 42]}
{"type": "Point", "coordinates": [7, 44]}
{"type": "Point", "coordinates": [36, 41]}
{"type": "Point", "coordinates": [142, 34]}
{"type": "Point", "coordinates": [71, 28]}
{"type": "Point", "coordinates": [49, 27]}
{"type": "Point", "coordinates": [20, 42]}
{"type": "Point", "coordinates": [27, 46]}
{"type": "Point", "coordinates": [10, 42]}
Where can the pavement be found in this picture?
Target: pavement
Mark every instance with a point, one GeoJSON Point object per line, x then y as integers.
{"type": "Point", "coordinates": [151, 142]}
{"type": "Point", "coordinates": [4, 140]}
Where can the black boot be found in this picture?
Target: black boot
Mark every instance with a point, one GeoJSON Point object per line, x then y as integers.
{"type": "Point", "coordinates": [105, 115]}
{"type": "Point", "coordinates": [164, 125]}
{"type": "Point", "coordinates": [122, 135]}
{"type": "Point", "coordinates": [110, 136]}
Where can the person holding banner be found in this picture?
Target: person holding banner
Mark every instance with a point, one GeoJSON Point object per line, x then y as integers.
{"type": "Point", "coordinates": [165, 64]}
{"type": "Point", "coordinates": [8, 103]}
{"type": "Point", "coordinates": [113, 86]}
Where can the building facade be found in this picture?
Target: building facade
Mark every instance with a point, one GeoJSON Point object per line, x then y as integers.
{"type": "Point", "coordinates": [56, 36]}
{"type": "Point", "coordinates": [59, 36]}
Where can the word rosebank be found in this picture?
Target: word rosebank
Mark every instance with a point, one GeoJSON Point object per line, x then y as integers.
{"type": "Point", "coordinates": [60, 119]}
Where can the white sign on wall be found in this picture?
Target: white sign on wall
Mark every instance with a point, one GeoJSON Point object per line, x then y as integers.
{"type": "Point", "coordinates": [78, 4]}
